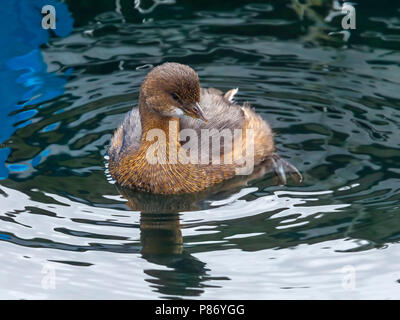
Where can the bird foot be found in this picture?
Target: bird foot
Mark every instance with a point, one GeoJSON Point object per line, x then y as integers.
{"type": "Point", "coordinates": [284, 169]}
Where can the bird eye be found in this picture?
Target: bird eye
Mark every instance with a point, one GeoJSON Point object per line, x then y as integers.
{"type": "Point", "coordinates": [175, 97]}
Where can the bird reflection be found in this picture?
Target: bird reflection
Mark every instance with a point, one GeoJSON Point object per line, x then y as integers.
{"type": "Point", "coordinates": [162, 243]}
{"type": "Point", "coordinates": [161, 234]}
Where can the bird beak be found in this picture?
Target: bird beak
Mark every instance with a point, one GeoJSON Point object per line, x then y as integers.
{"type": "Point", "coordinates": [195, 111]}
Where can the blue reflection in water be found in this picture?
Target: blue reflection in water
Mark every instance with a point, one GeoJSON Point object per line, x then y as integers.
{"type": "Point", "coordinates": [23, 76]}
{"type": "Point", "coordinates": [36, 160]}
{"type": "Point", "coordinates": [51, 127]}
{"type": "Point", "coordinates": [4, 237]}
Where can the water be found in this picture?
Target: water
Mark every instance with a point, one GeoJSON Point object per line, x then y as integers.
{"type": "Point", "coordinates": [65, 230]}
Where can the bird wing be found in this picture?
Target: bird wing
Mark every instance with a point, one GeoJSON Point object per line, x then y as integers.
{"type": "Point", "coordinates": [223, 117]}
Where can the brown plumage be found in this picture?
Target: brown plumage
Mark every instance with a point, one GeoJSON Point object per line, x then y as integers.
{"type": "Point", "coordinates": [171, 100]}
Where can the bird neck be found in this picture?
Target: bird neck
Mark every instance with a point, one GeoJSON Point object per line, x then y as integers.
{"type": "Point", "coordinates": [160, 130]}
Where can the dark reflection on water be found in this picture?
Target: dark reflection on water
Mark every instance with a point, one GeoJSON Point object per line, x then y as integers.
{"type": "Point", "coordinates": [162, 244]}
{"type": "Point", "coordinates": [334, 106]}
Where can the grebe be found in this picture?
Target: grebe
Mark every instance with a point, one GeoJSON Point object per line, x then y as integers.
{"type": "Point", "coordinates": [171, 101]}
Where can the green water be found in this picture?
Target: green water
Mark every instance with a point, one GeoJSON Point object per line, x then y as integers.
{"type": "Point", "coordinates": [334, 106]}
